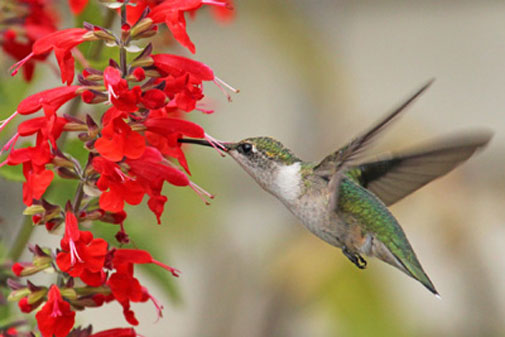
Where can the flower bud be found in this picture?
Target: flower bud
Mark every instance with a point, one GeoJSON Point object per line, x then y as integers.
{"type": "Point", "coordinates": [142, 26]}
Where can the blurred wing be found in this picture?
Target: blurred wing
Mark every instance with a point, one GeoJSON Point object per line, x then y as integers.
{"type": "Point", "coordinates": [393, 178]}
{"type": "Point", "coordinates": [330, 164]}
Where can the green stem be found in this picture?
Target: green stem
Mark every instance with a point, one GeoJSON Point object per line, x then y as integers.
{"type": "Point", "coordinates": [21, 240]}
{"type": "Point", "coordinates": [122, 49]}
{"type": "Point", "coordinates": [79, 194]}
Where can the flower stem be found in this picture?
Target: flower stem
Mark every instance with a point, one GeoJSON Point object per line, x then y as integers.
{"type": "Point", "coordinates": [21, 240]}
{"type": "Point", "coordinates": [122, 49]}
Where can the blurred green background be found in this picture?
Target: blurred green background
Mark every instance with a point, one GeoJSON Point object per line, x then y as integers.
{"type": "Point", "coordinates": [313, 74]}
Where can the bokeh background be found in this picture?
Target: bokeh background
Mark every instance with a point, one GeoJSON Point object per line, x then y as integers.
{"type": "Point", "coordinates": [313, 74]}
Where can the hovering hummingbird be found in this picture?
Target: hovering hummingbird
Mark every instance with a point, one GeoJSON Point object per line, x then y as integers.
{"type": "Point", "coordinates": [343, 199]}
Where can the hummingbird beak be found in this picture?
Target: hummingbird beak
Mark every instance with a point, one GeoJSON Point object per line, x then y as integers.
{"type": "Point", "coordinates": [226, 146]}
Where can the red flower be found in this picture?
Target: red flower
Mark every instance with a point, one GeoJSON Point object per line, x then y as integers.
{"type": "Point", "coordinates": [34, 160]}
{"type": "Point", "coordinates": [51, 100]}
{"type": "Point", "coordinates": [77, 6]}
{"type": "Point", "coordinates": [61, 42]}
{"type": "Point", "coordinates": [172, 13]}
{"type": "Point", "coordinates": [34, 19]}
{"type": "Point", "coordinates": [49, 128]}
{"type": "Point", "coordinates": [126, 288]}
{"type": "Point", "coordinates": [82, 256]}
{"type": "Point", "coordinates": [117, 187]}
{"type": "Point", "coordinates": [184, 79]}
{"type": "Point", "coordinates": [118, 141]}
{"type": "Point", "coordinates": [120, 95]}
{"type": "Point", "coordinates": [55, 318]}
{"type": "Point", "coordinates": [151, 170]}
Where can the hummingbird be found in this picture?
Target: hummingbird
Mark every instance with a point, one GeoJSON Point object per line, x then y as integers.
{"type": "Point", "coordinates": [343, 199]}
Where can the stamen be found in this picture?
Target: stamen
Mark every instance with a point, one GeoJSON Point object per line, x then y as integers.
{"type": "Point", "coordinates": [216, 3]}
{"type": "Point", "coordinates": [202, 109]}
{"type": "Point", "coordinates": [219, 82]}
{"type": "Point", "coordinates": [80, 57]}
{"type": "Point", "coordinates": [122, 175]}
{"type": "Point", "coordinates": [10, 143]}
{"type": "Point", "coordinates": [174, 271]}
{"type": "Point", "coordinates": [73, 253]}
{"type": "Point", "coordinates": [6, 121]}
{"type": "Point", "coordinates": [201, 192]}
{"type": "Point", "coordinates": [157, 304]}
{"type": "Point", "coordinates": [110, 92]}
{"type": "Point", "coordinates": [15, 67]}
{"type": "Point", "coordinates": [56, 310]}
{"type": "Point", "coordinates": [215, 144]}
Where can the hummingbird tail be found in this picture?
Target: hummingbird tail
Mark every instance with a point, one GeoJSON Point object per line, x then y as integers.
{"type": "Point", "coordinates": [410, 266]}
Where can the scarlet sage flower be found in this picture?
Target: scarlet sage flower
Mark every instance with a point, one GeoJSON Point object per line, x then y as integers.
{"type": "Point", "coordinates": [37, 177]}
{"type": "Point", "coordinates": [116, 186]}
{"type": "Point", "coordinates": [151, 171]}
{"type": "Point", "coordinates": [77, 6]}
{"type": "Point", "coordinates": [179, 66]}
{"type": "Point", "coordinates": [118, 141]}
{"type": "Point", "coordinates": [49, 127]}
{"type": "Point", "coordinates": [82, 256]}
{"type": "Point", "coordinates": [55, 318]}
{"type": "Point", "coordinates": [61, 42]}
{"type": "Point", "coordinates": [30, 20]}
{"type": "Point", "coordinates": [50, 100]}
{"type": "Point", "coordinates": [126, 288]}
{"type": "Point", "coordinates": [172, 14]}
{"type": "Point", "coordinates": [120, 95]}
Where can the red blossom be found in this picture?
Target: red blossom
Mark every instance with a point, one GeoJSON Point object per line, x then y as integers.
{"type": "Point", "coordinates": [118, 141]}
{"type": "Point", "coordinates": [120, 95]}
{"type": "Point", "coordinates": [34, 160]}
{"type": "Point", "coordinates": [83, 257]}
{"type": "Point", "coordinates": [38, 19]}
{"type": "Point", "coordinates": [117, 187]}
{"type": "Point", "coordinates": [49, 127]}
{"type": "Point", "coordinates": [77, 6]}
{"type": "Point", "coordinates": [126, 288]}
{"type": "Point", "coordinates": [151, 170]}
{"type": "Point", "coordinates": [61, 42]}
{"type": "Point", "coordinates": [171, 12]}
{"type": "Point", "coordinates": [55, 318]}
{"type": "Point", "coordinates": [50, 100]}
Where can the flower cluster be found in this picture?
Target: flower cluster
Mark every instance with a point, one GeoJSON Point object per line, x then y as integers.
{"type": "Point", "coordinates": [133, 149]}
{"type": "Point", "coordinates": [22, 22]}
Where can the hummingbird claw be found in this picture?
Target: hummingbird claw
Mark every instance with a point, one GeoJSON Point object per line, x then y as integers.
{"type": "Point", "coordinates": [355, 258]}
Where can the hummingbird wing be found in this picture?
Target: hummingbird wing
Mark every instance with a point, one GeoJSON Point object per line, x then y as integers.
{"type": "Point", "coordinates": [393, 177]}
{"type": "Point", "coordinates": [334, 161]}
{"type": "Point", "coordinates": [373, 230]}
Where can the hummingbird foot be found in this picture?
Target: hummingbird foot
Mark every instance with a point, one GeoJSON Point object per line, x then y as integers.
{"type": "Point", "coordinates": [355, 258]}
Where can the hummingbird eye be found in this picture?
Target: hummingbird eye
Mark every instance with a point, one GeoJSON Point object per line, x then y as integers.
{"type": "Point", "coordinates": [245, 148]}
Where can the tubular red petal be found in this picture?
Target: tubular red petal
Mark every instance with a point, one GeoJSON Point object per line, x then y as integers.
{"type": "Point", "coordinates": [54, 98]}
{"type": "Point", "coordinates": [63, 39]}
{"type": "Point", "coordinates": [165, 126]}
{"type": "Point", "coordinates": [176, 64]}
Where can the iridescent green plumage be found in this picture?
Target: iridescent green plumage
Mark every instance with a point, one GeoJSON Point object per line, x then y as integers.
{"type": "Point", "coordinates": [356, 205]}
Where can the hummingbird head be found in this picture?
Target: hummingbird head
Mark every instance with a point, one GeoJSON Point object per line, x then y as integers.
{"type": "Point", "coordinates": [270, 163]}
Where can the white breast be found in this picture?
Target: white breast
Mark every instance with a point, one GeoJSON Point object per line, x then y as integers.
{"type": "Point", "coordinates": [287, 182]}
